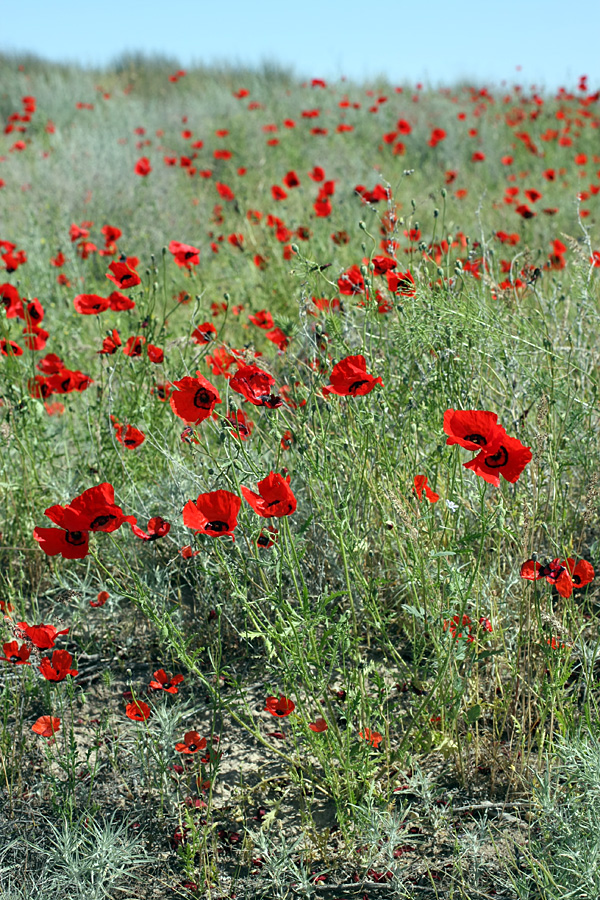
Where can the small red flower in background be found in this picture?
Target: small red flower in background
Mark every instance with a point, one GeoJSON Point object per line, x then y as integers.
{"type": "Point", "coordinates": [351, 282]}
{"type": "Point", "coordinates": [255, 385]}
{"type": "Point", "coordinates": [279, 338]}
{"type": "Point", "coordinates": [372, 737]}
{"type": "Point", "coordinates": [155, 354]}
{"type": "Point", "coordinates": [275, 497]}
{"type": "Point", "coordinates": [59, 667]}
{"type": "Point", "coordinates": [455, 623]}
{"type": "Point", "coordinates": [319, 726]}
{"type": "Point", "coordinates": [192, 743]}
{"type": "Point", "coordinates": [90, 304]}
{"type": "Point", "coordinates": [349, 378]}
{"type": "Point", "coordinates": [241, 425]}
{"type": "Point", "coordinates": [401, 283]}
{"type": "Point", "coordinates": [214, 513]}
{"type": "Point", "coordinates": [134, 345]}
{"type": "Point", "coordinates": [184, 255]}
{"type": "Point", "coordinates": [41, 636]}
{"type": "Point", "coordinates": [128, 435]}
{"type": "Point", "coordinates": [421, 485]}
{"type": "Point", "coordinates": [123, 275]}
{"type": "Point", "coordinates": [119, 302]}
{"type": "Point", "coordinates": [101, 599]}
{"type": "Point", "coordinates": [164, 682]}
{"type": "Point", "coordinates": [15, 654]}
{"type": "Point", "coordinates": [486, 624]}
{"type": "Point", "coordinates": [138, 711]}
{"type": "Point", "coordinates": [142, 167]}
{"type": "Point", "coordinates": [279, 707]}
{"type": "Point", "coordinates": [267, 537]}
{"type": "Point", "coordinates": [10, 348]}
{"type": "Point", "coordinates": [46, 726]}
{"type": "Point", "coordinates": [287, 439]}
{"type": "Point", "coordinates": [187, 552]}
{"type": "Point", "coordinates": [110, 343]}
{"type": "Point", "coordinates": [262, 319]}
{"type": "Point", "coordinates": [204, 333]}
{"type": "Point", "coordinates": [157, 528]}
{"type": "Point", "coordinates": [194, 399]}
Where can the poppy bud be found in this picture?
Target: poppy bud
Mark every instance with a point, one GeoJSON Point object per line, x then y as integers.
{"type": "Point", "coordinates": [164, 251]}
{"type": "Point", "coordinates": [362, 225]}
{"type": "Point", "coordinates": [295, 248]}
{"type": "Point", "coordinates": [364, 271]}
{"type": "Point", "coordinates": [414, 206]}
{"type": "Point", "coordinates": [226, 297]}
{"type": "Point", "coordinates": [436, 213]}
{"type": "Point", "coordinates": [444, 193]}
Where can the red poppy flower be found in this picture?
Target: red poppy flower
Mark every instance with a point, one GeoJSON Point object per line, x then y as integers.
{"type": "Point", "coordinates": [123, 275]}
{"type": "Point", "coordinates": [58, 260]}
{"type": "Point", "coordinates": [138, 711]}
{"type": "Point", "coordinates": [184, 255]}
{"type": "Point", "coordinates": [164, 682]}
{"type": "Point", "coordinates": [274, 498]}
{"type": "Point", "coordinates": [319, 726]}
{"type": "Point", "coordinates": [582, 573]}
{"type": "Point", "coordinates": [128, 435]}
{"type": "Point", "coordinates": [220, 362]}
{"type": "Point", "coordinates": [134, 346]}
{"type": "Point", "coordinates": [10, 348]}
{"type": "Point", "coordinates": [41, 636]}
{"type": "Point", "coordinates": [35, 338]}
{"type": "Point", "coordinates": [204, 333]}
{"type": "Point", "coordinates": [157, 528]}
{"type": "Point", "coordinates": [291, 180]}
{"type": "Point", "coordinates": [421, 485]}
{"type": "Point", "coordinates": [13, 305]}
{"type": "Point", "coordinates": [349, 378]}
{"type": "Point", "coordinates": [90, 304]}
{"type": "Point", "coordinates": [192, 743]}
{"type": "Point", "coordinates": [372, 737]}
{"type": "Point", "coordinates": [401, 283]}
{"type": "Point", "coordinates": [267, 537]}
{"type": "Point", "coordinates": [279, 338]}
{"type": "Point", "coordinates": [278, 193]}
{"type": "Point", "coordinates": [69, 544]}
{"type": "Point", "coordinates": [94, 510]}
{"type": "Point", "coordinates": [555, 572]}
{"type": "Point", "coordinates": [142, 167]}
{"type": "Point", "coordinates": [241, 425]}
{"type": "Point", "coordinates": [262, 319]}
{"type": "Point", "coordinates": [156, 355]}
{"type": "Point", "coordinates": [194, 400]}
{"type": "Point", "coordinates": [214, 513]}
{"type": "Point", "coordinates": [255, 385]}
{"type": "Point", "coordinates": [101, 599]}
{"type": "Point", "coordinates": [66, 381]}
{"type": "Point", "coordinates": [46, 726]}
{"type": "Point", "coordinates": [473, 429]}
{"type": "Point", "coordinates": [509, 460]}
{"type": "Point", "coordinates": [351, 282]}
{"type": "Point", "coordinates": [59, 667]}
{"type": "Point", "coordinates": [15, 654]}
{"type": "Point", "coordinates": [111, 342]}
{"type": "Point", "coordinates": [119, 302]}
{"type": "Point", "coordinates": [280, 707]}
{"type": "Point", "coordinates": [225, 191]}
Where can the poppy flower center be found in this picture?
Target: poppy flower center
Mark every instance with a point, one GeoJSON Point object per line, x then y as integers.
{"type": "Point", "coordinates": [263, 541]}
{"type": "Point", "coordinates": [192, 748]}
{"type": "Point", "coordinates": [101, 521]}
{"type": "Point", "coordinates": [202, 399]}
{"type": "Point", "coordinates": [217, 526]}
{"type": "Point", "coordinates": [14, 657]}
{"type": "Point", "coordinates": [475, 439]}
{"type": "Point", "coordinates": [498, 460]}
{"type": "Point", "coordinates": [75, 537]}
{"type": "Point", "coordinates": [354, 388]}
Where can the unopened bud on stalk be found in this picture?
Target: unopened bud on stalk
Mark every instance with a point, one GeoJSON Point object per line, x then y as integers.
{"type": "Point", "coordinates": [363, 270]}
{"type": "Point", "coordinates": [413, 204]}
{"type": "Point", "coordinates": [295, 248]}
{"type": "Point", "coordinates": [444, 193]}
{"type": "Point", "coordinates": [436, 213]}
{"type": "Point", "coordinates": [164, 251]}
{"type": "Point", "coordinates": [362, 225]}
{"type": "Point", "coordinates": [226, 297]}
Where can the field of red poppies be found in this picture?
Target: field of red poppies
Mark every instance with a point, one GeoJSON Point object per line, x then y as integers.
{"type": "Point", "coordinates": [300, 497]}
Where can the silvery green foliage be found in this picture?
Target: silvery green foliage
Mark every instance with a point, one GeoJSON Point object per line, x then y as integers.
{"type": "Point", "coordinates": [562, 859]}
{"type": "Point", "coordinates": [86, 860]}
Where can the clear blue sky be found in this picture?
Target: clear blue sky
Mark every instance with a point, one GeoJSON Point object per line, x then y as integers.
{"type": "Point", "coordinates": [435, 41]}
